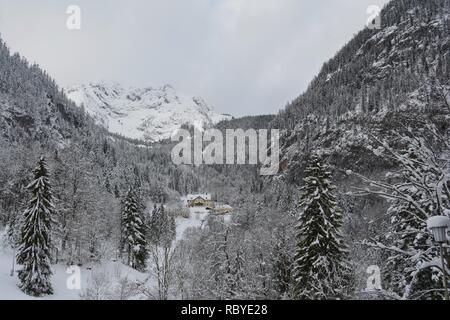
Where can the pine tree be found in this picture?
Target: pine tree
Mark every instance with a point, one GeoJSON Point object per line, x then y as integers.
{"type": "Point", "coordinates": [320, 262]}
{"type": "Point", "coordinates": [133, 232]}
{"type": "Point", "coordinates": [162, 226]}
{"type": "Point", "coordinates": [172, 226]}
{"type": "Point", "coordinates": [281, 264]}
{"type": "Point", "coordinates": [236, 276]}
{"type": "Point", "coordinates": [35, 246]}
{"type": "Point", "coordinates": [155, 225]}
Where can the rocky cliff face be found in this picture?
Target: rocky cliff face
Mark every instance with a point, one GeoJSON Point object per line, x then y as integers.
{"type": "Point", "coordinates": [393, 78]}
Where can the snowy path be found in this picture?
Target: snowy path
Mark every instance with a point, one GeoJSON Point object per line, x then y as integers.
{"type": "Point", "coordinates": [196, 220]}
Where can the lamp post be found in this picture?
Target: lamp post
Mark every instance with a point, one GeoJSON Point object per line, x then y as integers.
{"type": "Point", "coordinates": [439, 226]}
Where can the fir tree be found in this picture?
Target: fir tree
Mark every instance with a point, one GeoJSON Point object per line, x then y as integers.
{"type": "Point", "coordinates": [320, 261]}
{"type": "Point", "coordinates": [236, 277]}
{"type": "Point", "coordinates": [133, 232]}
{"type": "Point", "coordinates": [155, 223]}
{"type": "Point", "coordinates": [162, 226]}
{"type": "Point", "coordinates": [35, 247]}
{"type": "Point", "coordinates": [282, 264]}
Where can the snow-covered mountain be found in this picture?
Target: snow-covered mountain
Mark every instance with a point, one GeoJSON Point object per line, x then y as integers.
{"type": "Point", "coordinates": [149, 114]}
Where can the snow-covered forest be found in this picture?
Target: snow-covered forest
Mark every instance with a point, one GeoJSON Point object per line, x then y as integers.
{"type": "Point", "coordinates": [365, 162]}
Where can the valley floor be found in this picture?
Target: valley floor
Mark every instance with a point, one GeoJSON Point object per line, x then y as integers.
{"type": "Point", "coordinates": [98, 277]}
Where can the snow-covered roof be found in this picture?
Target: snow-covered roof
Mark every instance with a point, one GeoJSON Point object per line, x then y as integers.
{"type": "Point", "coordinates": [195, 196]}
{"type": "Point", "coordinates": [223, 206]}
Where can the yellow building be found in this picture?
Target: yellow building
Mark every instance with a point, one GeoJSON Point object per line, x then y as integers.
{"type": "Point", "coordinates": [200, 201]}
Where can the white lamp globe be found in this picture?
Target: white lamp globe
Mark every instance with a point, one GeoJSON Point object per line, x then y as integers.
{"type": "Point", "coordinates": [439, 225]}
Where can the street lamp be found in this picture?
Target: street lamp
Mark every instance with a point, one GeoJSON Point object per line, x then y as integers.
{"type": "Point", "coordinates": [439, 226]}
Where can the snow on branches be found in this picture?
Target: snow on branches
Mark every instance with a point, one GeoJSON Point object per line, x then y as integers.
{"type": "Point", "coordinates": [35, 246]}
{"type": "Point", "coordinates": [418, 190]}
{"type": "Point", "coordinates": [320, 265]}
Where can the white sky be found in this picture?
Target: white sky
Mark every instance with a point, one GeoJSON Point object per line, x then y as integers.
{"type": "Point", "coordinates": [244, 57]}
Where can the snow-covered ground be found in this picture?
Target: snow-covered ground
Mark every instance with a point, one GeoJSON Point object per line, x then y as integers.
{"type": "Point", "coordinates": [90, 276]}
{"type": "Point", "coordinates": [198, 216]}
{"type": "Point", "coordinates": [196, 220]}
{"type": "Point", "coordinates": [10, 291]}
{"type": "Point", "coordinates": [103, 277]}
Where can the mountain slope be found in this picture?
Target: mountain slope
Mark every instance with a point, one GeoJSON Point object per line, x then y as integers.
{"type": "Point", "coordinates": [379, 68]}
{"type": "Point", "coordinates": [148, 114]}
{"type": "Point", "coordinates": [391, 78]}
{"type": "Point", "coordinates": [31, 106]}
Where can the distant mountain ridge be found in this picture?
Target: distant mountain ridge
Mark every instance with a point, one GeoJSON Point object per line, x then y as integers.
{"type": "Point", "coordinates": [149, 114]}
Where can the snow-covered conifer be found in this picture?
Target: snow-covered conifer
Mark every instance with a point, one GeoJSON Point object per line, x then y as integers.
{"type": "Point", "coordinates": [320, 262]}
{"type": "Point", "coordinates": [35, 247]}
{"type": "Point", "coordinates": [133, 232]}
{"type": "Point", "coordinates": [162, 226]}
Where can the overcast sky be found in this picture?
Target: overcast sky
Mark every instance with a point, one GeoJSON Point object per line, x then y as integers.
{"type": "Point", "coordinates": [244, 57]}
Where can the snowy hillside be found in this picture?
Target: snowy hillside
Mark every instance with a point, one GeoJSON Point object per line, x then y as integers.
{"type": "Point", "coordinates": [109, 279]}
{"type": "Point", "coordinates": [379, 81]}
{"type": "Point", "coordinates": [150, 114]}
